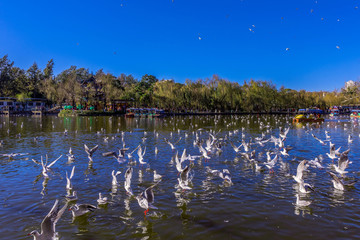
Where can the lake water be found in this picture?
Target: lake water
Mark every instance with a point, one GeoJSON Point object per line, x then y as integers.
{"type": "Point", "coordinates": [258, 205]}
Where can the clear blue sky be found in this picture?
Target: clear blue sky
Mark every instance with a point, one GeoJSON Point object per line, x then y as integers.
{"type": "Point", "coordinates": [192, 39]}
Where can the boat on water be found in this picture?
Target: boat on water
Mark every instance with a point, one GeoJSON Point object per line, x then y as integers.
{"type": "Point", "coordinates": [334, 112]}
{"type": "Point", "coordinates": [309, 115]}
{"type": "Point", "coordinates": [130, 112]}
{"type": "Point", "coordinates": [144, 112]}
{"type": "Point", "coordinates": [355, 113]}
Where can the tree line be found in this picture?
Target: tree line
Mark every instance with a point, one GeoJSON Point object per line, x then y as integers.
{"type": "Point", "coordinates": [79, 86]}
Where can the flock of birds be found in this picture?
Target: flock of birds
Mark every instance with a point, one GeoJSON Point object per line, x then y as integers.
{"type": "Point", "coordinates": [209, 143]}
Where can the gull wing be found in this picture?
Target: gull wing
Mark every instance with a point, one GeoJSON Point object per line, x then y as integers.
{"type": "Point", "coordinates": [107, 154]}
{"type": "Point", "coordinates": [178, 140]}
{"type": "Point", "coordinates": [72, 172]}
{"type": "Point", "coordinates": [93, 149]}
{"type": "Point", "coordinates": [48, 224]}
{"type": "Point", "coordinates": [60, 213]}
{"type": "Point", "coordinates": [335, 178]}
{"type": "Point", "coordinates": [144, 151]}
{"type": "Point", "coordinates": [185, 174]}
{"type": "Point", "coordinates": [343, 162]}
{"type": "Point", "coordinates": [128, 175]}
{"type": "Point", "coordinates": [149, 194]}
{"type": "Point", "coordinates": [87, 150]}
{"type": "Point", "coordinates": [135, 149]}
{"type": "Point", "coordinates": [53, 162]}
{"type": "Point", "coordinates": [38, 163]}
{"type": "Point", "coordinates": [139, 151]}
{"type": "Point", "coordinates": [183, 156]}
{"type": "Point", "coordinates": [300, 169]}
{"type": "Point", "coordinates": [87, 207]}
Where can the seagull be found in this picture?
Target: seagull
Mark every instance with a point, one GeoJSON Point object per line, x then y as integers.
{"type": "Point", "coordinates": [333, 151]}
{"type": "Point", "coordinates": [70, 155]}
{"type": "Point", "coordinates": [224, 174]}
{"type": "Point", "coordinates": [283, 133]}
{"type": "Point", "coordinates": [12, 155]}
{"type": "Point", "coordinates": [141, 154]}
{"type": "Point", "coordinates": [68, 179]}
{"type": "Point", "coordinates": [258, 168]}
{"type": "Point", "coordinates": [321, 141]}
{"type": "Point", "coordinates": [157, 176]}
{"type": "Point", "coordinates": [301, 203]}
{"type": "Point", "coordinates": [261, 142]}
{"type": "Point", "coordinates": [114, 181]}
{"type": "Point", "coordinates": [327, 134]}
{"type": "Point", "coordinates": [46, 167]}
{"type": "Point", "coordinates": [277, 141]}
{"type": "Point", "coordinates": [72, 197]}
{"type": "Point", "coordinates": [130, 154]}
{"type": "Point", "coordinates": [203, 152]}
{"type": "Point", "coordinates": [316, 163]}
{"type": "Point", "coordinates": [48, 224]}
{"type": "Point", "coordinates": [350, 139]}
{"type": "Point", "coordinates": [285, 151]}
{"type": "Point", "coordinates": [270, 164]}
{"type": "Point", "coordinates": [236, 149]}
{"type": "Point", "coordinates": [146, 198]}
{"type": "Point", "coordinates": [184, 179]}
{"type": "Point", "coordinates": [90, 152]}
{"type": "Point", "coordinates": [182, 185]}
{"type": "Point", "coordinates": [172, 144]}
{"type": "Point", "coordinates": [178, 162]}
{"type": "Point", "coordinates": [127, 184]}
{"type": "Point", "coordinates": [120, 157]}
{"type": "Point", "coordinates": [245, 145]}
{"type": "Point", "coordinates": [343, 162]}
{"type": "Point", "coordinates": [299, 172]}
{"type": "Point", "coordinates": [303, 186]}
{"type": "Point", "coordinates": [336, 182]}
{"type": "Point", "coordinates": [102, 200]}
{"type": "Point", "coordinates": [81, 209]}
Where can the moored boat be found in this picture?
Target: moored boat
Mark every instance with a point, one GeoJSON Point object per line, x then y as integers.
{"type": "Point", "coordinates": [355, 113]}
{"type": "Point", "coordinates": [308, 115]}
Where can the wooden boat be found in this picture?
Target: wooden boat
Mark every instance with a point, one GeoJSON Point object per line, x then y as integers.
{"type": "Point", "coordinates": [303, 118]}
{"type": "Point", "coordinates": [308, 115]}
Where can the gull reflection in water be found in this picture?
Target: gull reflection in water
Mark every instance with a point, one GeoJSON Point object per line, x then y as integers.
{"type": "Point", "coordinates": [302, 206]}
{"type": "Point", "coordinates": [44, 184]}
{"type": "Point", "coordinates": [337, 196]}
{"type": "Point", "coordinates": [140, 176]}
{"type": "Point", "coordinates": [114, 189]}
{"type": "Point", "coordinates": [89, 170]}
{"type": "Point", "coordinates": [145, 228]}
{"type": "Point", "coordinates": [128, 211]}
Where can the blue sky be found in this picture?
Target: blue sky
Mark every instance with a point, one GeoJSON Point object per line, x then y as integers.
{"type": "Point", "coordinates": [191, 39]}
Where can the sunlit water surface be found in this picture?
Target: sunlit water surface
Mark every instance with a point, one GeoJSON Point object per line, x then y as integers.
{"type": "Point", "coordinates": [259, 205]}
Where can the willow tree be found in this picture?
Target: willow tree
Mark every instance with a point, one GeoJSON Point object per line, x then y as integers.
{"type": "Point", "coordinates": [108, 86]}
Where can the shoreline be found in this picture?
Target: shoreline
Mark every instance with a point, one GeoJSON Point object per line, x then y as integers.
{"type": "Point", "coordinates": [75, 113]}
